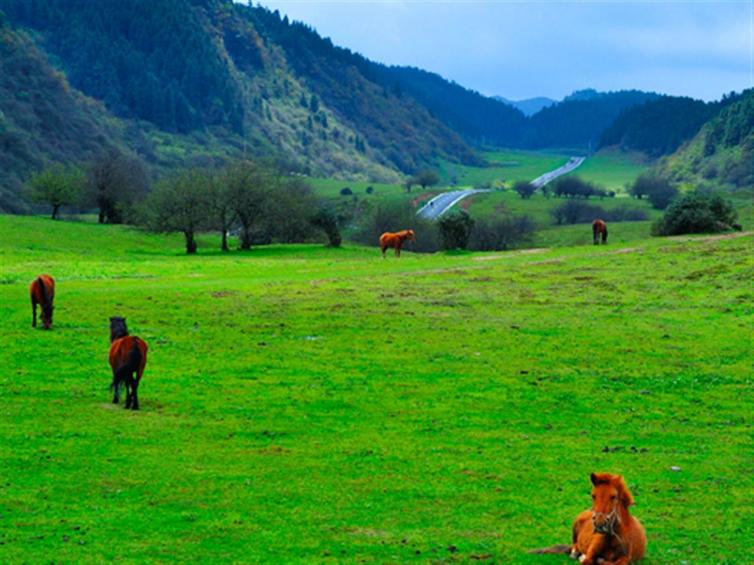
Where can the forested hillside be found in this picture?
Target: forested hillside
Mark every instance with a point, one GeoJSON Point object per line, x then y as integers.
{"type": "Point", "coordinates": [580, 119]}
{"type": "Point", "coordinates": [660, 126]}
{"type": "Point", "coordinates": [722, 152]}
{"type": "Point", "coordinates": [41, 117]}
{"type": "Point", "coordinates": [183, 81]}
{"type": "Point", "coordinates": [182, 78]}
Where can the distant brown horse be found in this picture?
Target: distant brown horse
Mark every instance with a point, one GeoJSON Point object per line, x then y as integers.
{"type": "Point", "coordinates": [128, 356]}
{"type": "Point", "coordinates": [599, 228]}
{"type": "Point", "coordinates": [42, 291]}
{"type": "Point", "coordinates": [395, 240]}
{"type": "Point", "coordinates": [607, 534]}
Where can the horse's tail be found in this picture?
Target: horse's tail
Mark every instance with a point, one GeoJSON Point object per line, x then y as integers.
{"type": "Point", "coordinates": [43, 292]}
{"type": "Point", "coordinates": [554, 549]}
{"type": "Point", "coordinates": [128, 368]}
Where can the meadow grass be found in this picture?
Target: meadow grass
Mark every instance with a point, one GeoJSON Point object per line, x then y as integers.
{"type": "Point", "coordinates": [612, 170]}
{"type": "Point", "coordinates": [538, 207]}
{"type": "Point", "coordinates": [503, 166]}
{"type": "Point", "coordinates": [305, 404]}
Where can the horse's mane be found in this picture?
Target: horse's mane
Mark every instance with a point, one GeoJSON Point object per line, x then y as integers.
{"type": "Point", "coordinates": [618, 482]}
{"type": "Point", "coordinates": [118, 328]}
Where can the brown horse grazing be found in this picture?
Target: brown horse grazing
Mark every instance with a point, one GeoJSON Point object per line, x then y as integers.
{"type": "Point", "coordinates": [42, 291]}
{"type": "Point", "coordinates": [128, 355]}
{"type": "Point", "coordinates": [607, 534]}
{"type": "Point", "coordinates": [395, 240]}
{"type": "Point", "coordinates": [599, 227]}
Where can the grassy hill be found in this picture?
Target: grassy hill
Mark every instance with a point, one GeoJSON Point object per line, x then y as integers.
{"type": "Point", "coordinates": [196, 81]}
{"type": "Point", "coordinates": [303, 404]}
{"type": "Point", "coordinates": [722, 153]}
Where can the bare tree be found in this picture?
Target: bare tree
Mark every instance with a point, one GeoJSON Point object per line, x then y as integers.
{"type": "Point", "coordinates": [115, 182]}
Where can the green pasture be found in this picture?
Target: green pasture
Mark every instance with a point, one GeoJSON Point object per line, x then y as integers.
{"type": "Point", "coordinates": [612, 170]}
{"type": "Point", "coordinates": [538, 207]}
{"type": "Point", "coordinates": [312, 405]}
{"type": "Point", "coordinates": [503, 167]}
{"type": "Point", "coordinates": [330, 188]}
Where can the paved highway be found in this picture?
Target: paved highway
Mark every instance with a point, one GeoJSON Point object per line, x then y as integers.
{"type": "Point", "coordinates": [446, 200]}
{"type": "Point", "coordinates": [572, 163]}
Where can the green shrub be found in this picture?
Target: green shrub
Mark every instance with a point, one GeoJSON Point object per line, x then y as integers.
{"type": "Point", "coordinates": [524, 189]}
{"type": "Point", "coordinates": [455, 230]}
{"type": "Point", "coordinates": [500, 234]}
{"type": "Point", "coordinates": [326, 220]}
{"type": "Point", "coordinates": [697, 212]}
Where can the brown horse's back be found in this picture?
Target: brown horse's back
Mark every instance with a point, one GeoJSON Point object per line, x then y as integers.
{"type": "Point", "coordinates": [42, 293]}
{"type": "Point", "coordinates": [129, 350]}
{"type": "Point", "coordinates": [42, 289]}
{"type": "Point", "coordinates": [599, 228]}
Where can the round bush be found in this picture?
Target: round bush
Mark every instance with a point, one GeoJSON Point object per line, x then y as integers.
{"type": "Point", "coordinates": [697, 212]}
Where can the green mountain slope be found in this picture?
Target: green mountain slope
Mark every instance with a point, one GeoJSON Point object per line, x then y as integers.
{"type": "Point", "coordinates": [722, 153]}
{"type": "Point", "coordinates": [661, 126]}
{"type": "Point", "coordinates": [41, 117]}
{"type": "Point", "coordinates": [186, 77]}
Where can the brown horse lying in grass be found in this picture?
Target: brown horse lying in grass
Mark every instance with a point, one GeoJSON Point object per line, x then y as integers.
{"type": "Point", "coordinates": [128, 355]}
{"type": "Point", "coordinates": [607, 534]}
{"type": "Point", "coordinates": [599, 228]}
{"type": "Point", "coordinates": [395, 240]}
{"type": "Point", "coordinates": [42, 291]}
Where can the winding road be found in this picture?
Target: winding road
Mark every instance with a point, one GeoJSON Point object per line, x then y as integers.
{"type": "Point", "coordinates": [446, 200]}
{"type": "Point", "coordinates": [572, 163]}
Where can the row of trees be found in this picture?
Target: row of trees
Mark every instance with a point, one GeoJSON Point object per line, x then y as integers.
{"type": "Point", "coordinates": [113, 183]}
{"type": "Point", "coordinates": [658, 190]}
{"type": "Point", "coordinates": [253, 197]}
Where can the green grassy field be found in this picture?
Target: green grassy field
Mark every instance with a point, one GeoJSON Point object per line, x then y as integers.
{"type": "Point", "coordinates": [304, 404]}
{"type": "Point", "coordinates": [538, 207]}
{"type": "Point", "coordinates": [504, 166]}
{"type": "Point", "coordinates": [612, 170]}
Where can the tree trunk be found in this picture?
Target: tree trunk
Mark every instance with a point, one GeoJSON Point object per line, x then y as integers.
{"type": "Point", "coordinates": [245, 238]}
{"type": "Point", "coordinates": [224, 245]}
{"type": "Point", "coordinates": [190, 242]}
{"type": "Point", "coordinates": [55, 209]}
{"type": "Point", "coordinates": [101, 218]}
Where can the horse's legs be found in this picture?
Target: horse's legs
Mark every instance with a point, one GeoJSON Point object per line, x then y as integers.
{"type": "Point", "coordinates": [135, 397]}
{"type": "Point", "coordinates": [33, 314]}
{"type": "Point", "coordinates": [129, 392]}
{"type": "Point", "coordinates": [620, 561]}
{"type": "Point", "coordinates": [397, 250]}
{"type": "Point", "coordinates": [604, 237]}
{"type": "Point", "coordinates": [595, 548]}
{"type": "Point", "coordinates": [383, 251]}
{"type": "Point", "coordinates": [116, 390]}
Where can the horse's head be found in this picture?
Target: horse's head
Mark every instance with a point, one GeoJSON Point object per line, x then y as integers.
{"type": "Point", "coordinates": [47, 315]}
{"type": "Point", "coordinates": [410, 235]}
{"type": "Point", "coordinates": [609, 494]}
{"type": "Point", "coordinates": [118, 328]}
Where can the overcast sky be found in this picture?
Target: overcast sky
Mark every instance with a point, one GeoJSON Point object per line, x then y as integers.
{"type": "Point", "coordinates": [549, 48]}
